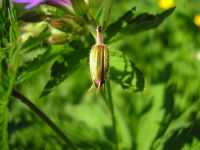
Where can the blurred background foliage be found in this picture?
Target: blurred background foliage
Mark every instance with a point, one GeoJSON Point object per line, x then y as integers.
{"type": "Point", "coordinates": [165, 116]}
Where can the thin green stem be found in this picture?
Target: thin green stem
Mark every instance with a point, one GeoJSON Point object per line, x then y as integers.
{"type": "Point", "coordinates": [109, 102]}
{"type": "Point", "coordinates": [7, 83]}
{"type": "Point", "coordinates": [53, 126]}
{"type": "Point", "coordinates": [3, 129]}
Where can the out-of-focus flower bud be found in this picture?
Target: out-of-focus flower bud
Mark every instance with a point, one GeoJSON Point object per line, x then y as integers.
{"type": "Point", "coordinates": [33, 3]}
{"type": "Point", "coordinates": [99, 62]}
{"type": "Point", "coordinates": [33, 16]}
{"type": "Point", "coordinates": [61, 24]}
{"type": "Point", "coordinates": [59, 39]}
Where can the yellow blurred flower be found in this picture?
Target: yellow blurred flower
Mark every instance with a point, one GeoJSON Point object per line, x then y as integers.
{"type": "Point", "coordinates": [197, 19]}
{"type": "Point", "coordinates": [165, 4]}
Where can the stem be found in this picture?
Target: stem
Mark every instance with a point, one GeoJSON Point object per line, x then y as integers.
{"type": "Point", "coordinates": [53, 126]}
{"type": "Point", "coordinates": [6, 85]}
{"type": "Point", "coordinates": [109, 102]}
{"type": "Point", "coordinates": [99, 36]}
{"type": "Point", "coordinates": [3, 130]}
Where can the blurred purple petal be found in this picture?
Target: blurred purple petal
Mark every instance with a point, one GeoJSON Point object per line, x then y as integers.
{"type": "Point", "coordinates": [22, 1]}
{"type": "Point", "coordinates": [33, 4]}
{"type": "Point", "coordinates": [67, 2]}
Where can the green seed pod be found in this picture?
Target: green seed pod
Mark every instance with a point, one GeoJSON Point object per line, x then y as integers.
{"type": "Point", "coordinates": [99, 62]}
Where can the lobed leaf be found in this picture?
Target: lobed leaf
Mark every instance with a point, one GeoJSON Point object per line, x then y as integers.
{"type": "Point", "coordinates": [115, 27]}
{"type": "Point", "coordinates": [145, 22]}
{"type": "Point", "coordinates": [34, 41]}
{"type": "Point", "coordinates": [125, 72]}
{"type": "Point", "coordinates": [103, 14]}
{"type": "Point", "coordinates": [80, 7]}
{"type": "Point", "coordinates": [65, 65]}
{"type": "Point", "coordinates": [29, 68]}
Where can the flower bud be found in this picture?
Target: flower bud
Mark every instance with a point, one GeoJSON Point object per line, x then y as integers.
{"type": "Point", "coordinates": [33, 16]}
{"type": "Point", "coordinates": [98, 62]}
{"type": "Point", "coordinates": [59, 39]}
{"type": "Point", "coordinates": [60, 24]}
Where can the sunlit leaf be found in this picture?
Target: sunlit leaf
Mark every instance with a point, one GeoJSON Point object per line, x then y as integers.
{"type": "Point", "coordinates": [145, 22]}
{"type": "Point", "coordinates": [115, 27]}
{"type": "Point", "coordinates": [80, 7]}
{"type": "Point", "coordinates": [103, 14]}
{"type": "Point", "coordinates": [30, 67]}
{"type": "Point", "coordinates": [125, 72]}
{"type": "Point", "coordinates": [64, 66]}
{"type": "Point", "coordinates": [34, 41]}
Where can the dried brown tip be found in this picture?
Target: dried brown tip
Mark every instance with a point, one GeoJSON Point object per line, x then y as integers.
{"type": "Point", "coordinates": [99, 35]}
{"type": "Point", "coordinates": [99, 29]}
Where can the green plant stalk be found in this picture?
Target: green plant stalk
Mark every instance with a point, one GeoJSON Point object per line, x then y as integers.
{"type": "Point", "coordinates": [109, 102]}
{"type": "Point", "coordinates": [3, 129]}
{"type": "Point", "coordinates": [53, 126]}
{"type": "Point", "coordinates": [7, 85]}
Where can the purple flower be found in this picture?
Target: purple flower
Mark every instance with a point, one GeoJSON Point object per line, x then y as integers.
{"type": "Point", "coordinates": [33, 3]}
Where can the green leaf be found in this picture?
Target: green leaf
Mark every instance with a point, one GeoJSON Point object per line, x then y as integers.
{"type": "Point", "coordinates": [145, 22]}
{"type": "Point", "coordinates": [29, 68]}
{"type": "Point", "coordinates": [115, 27]}
{"type": "Point", "coordinates": [149, 122]}
{"type": "Point", "coordinates": [80, 7]}
{"type": "Point", "coordinates": [5, 24]}
{"type": "Point", "coordinates": [65, 65]}
{"type": "Point", "coordinates": [103, 14]}
{"type": "Point", "coordinates": [8, 25]}
{"type": "Point", "coordinates": [182, 136]}
{"type": "Point", "coordinates": [13, 28]}
{"type": "Point", "coordinates": [9, 62]}
{"type": "Point", "coordinates": [36, 40]}
{"type": "Point", "coordinates": [125, 72]}
{"type": "Point", "coordinates": [93, 131]}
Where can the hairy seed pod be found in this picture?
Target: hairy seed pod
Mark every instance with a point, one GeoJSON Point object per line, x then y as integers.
{"type": "Point", "coordinates": [99, 62]}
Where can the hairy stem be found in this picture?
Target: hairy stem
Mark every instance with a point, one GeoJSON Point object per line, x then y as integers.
{"type": "Point", "coordinates": [109, 102]}
{"type": "Point", "coordinates": [3, 124]}
{"type": "Point", "coordinates": [53, 126]}
{"type": "Point", "coordinates": [6, 85]}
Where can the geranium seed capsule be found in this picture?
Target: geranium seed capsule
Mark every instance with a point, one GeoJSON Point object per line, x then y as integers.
{"type": "Point", "coordinates": [98, 62]}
